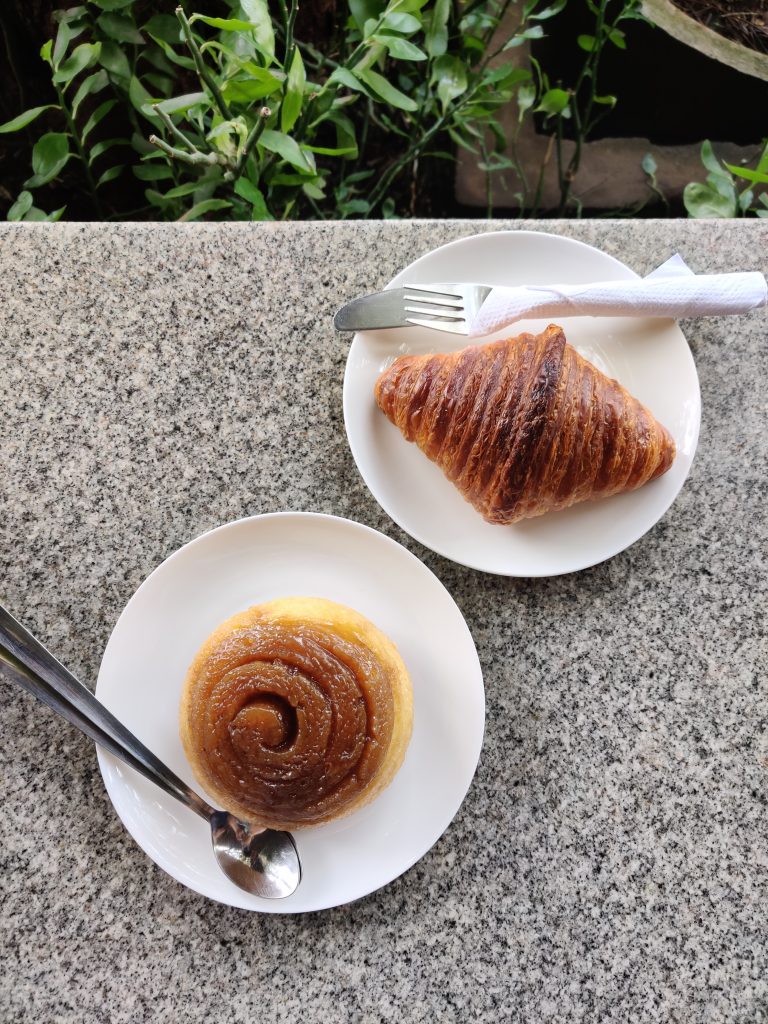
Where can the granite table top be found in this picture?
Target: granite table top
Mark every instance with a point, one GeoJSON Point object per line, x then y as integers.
{"type": "Point", "coordinates": [610, 862]}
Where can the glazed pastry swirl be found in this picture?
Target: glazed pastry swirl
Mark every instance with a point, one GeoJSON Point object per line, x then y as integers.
{"type": "Point", "coordinates": [288, 719]}
{"type": "Point", "coordinates": [524, 426]}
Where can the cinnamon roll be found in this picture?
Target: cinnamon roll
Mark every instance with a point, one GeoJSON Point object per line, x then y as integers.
{"type": "Point", "coordinates": [296, 712]}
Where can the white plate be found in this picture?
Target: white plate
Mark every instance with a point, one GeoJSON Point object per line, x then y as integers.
{"type": "Point", "coordinates": [650, 358]}
{"type": "Point", "coordinates": [253, 560]}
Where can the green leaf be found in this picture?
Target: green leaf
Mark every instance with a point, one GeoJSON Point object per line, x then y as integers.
{"type": "Point", "coordinates": [344, 77]}
{"type": "Point", "coordinates": [345, 132]}
{"type": "Point", "coordinates": [554, 101]}
{"type": "Point", "coordinates": [104, 146]}
{"type": "Point", "coordinates": [112, 5]}
{"type": "Point", "coordinates": [225, 24]}
{"type": "Point", "coordinates": [22, 120]}
{"type": "Point", "coordinates": [504, 78]}
{"type": "Point", "coordinates": [257, 13]}
{"type": "Point", "coordinates": [178, 103]}
{"type": "Point", "coordinates": [120, 28]}
{"type": "Point", "coordinates": [649, 165]}
{"type": "Point", "coordinates": [450, 76]}
{"type": "Point", "coordinates": [22, 206]}
{"type": "Point", "coordinates": [607, 101]}
{"type": "Point", "coordinates": [162, 84]}
{"type": "Point", "coordinates": [548, 12]}
{"type": "Point", "coordinates": [110, 174]}
{"type": "Point", "coordinates": [290, 108]}
{"type": "Point", "coordinates": [399, 48]}
{"type": "Point", "coordinates": [703, 201]}
{"type": "Point", "coordinates": [405, 23]}
{"type": "Point", "coordinates": [165, 46]}
{"type": "Point", "coordinates": [287, 148]}
{"type": "Point", "coordinates": [383, 88]}
{"type": "Point", "coordinates": [587, 43]}
{"type": "Point", "coordinates": [325, 151]}
{"type": "Point", "coordinates": [45, 51]}
{"type": "Point", "coordinates": [365, 10]}
{"type": "Point", "coordinates": [526, 97]}
{"type": "Point", "coordinates": [81, 57]}
{"type": "Point", "coordinates": [436, 38]}
{"type": "Point", "coordinates": [207, 206]}
{"type": "Point", "coordinates": [64, 37]}
{"type": "Point", "coordinates": [49, 155]}
{"type": "Point", "coordinates": [141, 99]}
{"type": "Point", "coordinates": [35, 214]}
{"type": "Point", "coordinates": [756, 177]}
{"type": "Point", "coordinates": [93, 83]}
{"type": "Point", "coordinates": [182, 190]}
{"type": "Point", "coordinates": [165, 27]}
{"type": "Point", "coordinates": [259, 84]}
{"type": "Point", "coordinates": [99, 113]}
{"type": "Point", "coordinates": [153, 171]}
{"type": "Point", "coordinates": [709, 159]}
{"type": "Point", "coordinates": [534, 32]}
{"type": "Point", "coordinates": [409, 5]}
{"type": "Point", "coordinates": [114, 60]}
{"type": "Point", "coordinates": [253, 195]}
{"type": "Point", "coordinates": [618, 38]}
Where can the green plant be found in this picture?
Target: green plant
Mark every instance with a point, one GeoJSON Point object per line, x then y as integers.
{"type": "Point", "coordinates": [246, 121]}
{"type": "Point", "coordinates": [720, 195]}
{"type": "Point", "coordinates": [581, 103]}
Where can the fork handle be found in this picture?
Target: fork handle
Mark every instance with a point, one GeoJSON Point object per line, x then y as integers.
{"type": "Point", "coordinates": [39, 673]}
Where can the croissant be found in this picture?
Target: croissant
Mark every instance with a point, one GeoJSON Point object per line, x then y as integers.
{"type": "Point", "coordinates": [524, 426]}
{"type": "Point", "coordinates": [296, 712]}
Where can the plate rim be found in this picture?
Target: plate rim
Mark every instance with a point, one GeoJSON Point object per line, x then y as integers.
{"type": "Point", "coordinates": [107, 760]}
{"type": "Point", "coordinates": [417, 535]}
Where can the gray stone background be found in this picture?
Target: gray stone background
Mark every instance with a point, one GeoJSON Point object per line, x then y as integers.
{"type": "Point", "coordinates": [610, 862]}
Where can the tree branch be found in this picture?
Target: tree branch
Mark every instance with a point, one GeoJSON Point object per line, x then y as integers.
{"type": "Point", "coordinates": [205, 76]}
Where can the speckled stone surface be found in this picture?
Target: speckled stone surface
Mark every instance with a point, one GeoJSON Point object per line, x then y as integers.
{"type": "Point", "coordinates": [610, 862]}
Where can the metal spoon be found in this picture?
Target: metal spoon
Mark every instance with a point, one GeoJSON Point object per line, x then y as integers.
{"type": "Point", "coordinates": [265, 863]}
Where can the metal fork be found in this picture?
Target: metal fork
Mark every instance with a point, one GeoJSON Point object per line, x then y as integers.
{"type": "Point", "coordinates": [444, 307]}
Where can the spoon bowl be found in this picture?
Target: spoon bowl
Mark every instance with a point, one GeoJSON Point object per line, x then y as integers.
{"type": "Point", "coordinates": [264, 862]}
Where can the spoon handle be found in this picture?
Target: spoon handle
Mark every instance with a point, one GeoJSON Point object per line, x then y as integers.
{"type": "Point", "coordinates": [38, 672]}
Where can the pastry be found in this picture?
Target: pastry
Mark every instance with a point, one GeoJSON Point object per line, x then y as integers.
{"type": "Point", "coordinates": [524, 426]}
{"type": "Point", "coordinates": [296, 712]}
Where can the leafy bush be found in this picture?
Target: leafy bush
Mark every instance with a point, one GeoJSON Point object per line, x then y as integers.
{"type": "Point", "coordinates": [720, 195]}
{"type": "Point", "coordinates": [234, 116]}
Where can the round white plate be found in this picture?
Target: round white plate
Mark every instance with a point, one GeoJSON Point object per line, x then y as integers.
{"type": "Point", "coordinates": [245, 563]}
{"type": "Point", "coordinates": [650, 358]}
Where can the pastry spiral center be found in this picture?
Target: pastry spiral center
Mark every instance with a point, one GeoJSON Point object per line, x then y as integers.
{"type": "Point", "coordinates": [265, 721]}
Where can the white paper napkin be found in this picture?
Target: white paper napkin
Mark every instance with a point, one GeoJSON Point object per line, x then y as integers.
{"type": "Point", "coordinates": [670, 290]}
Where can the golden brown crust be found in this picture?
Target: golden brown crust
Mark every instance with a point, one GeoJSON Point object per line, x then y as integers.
{"type": "Point", "coordinates": [296, 712]}
{"type": "Point", "coordinates": [524, 426]}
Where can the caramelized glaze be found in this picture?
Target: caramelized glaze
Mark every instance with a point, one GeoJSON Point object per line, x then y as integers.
{"type": "Point", "coordinates": [293, 722]}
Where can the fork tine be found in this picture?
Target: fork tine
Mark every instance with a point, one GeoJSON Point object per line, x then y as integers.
{"type": "Point", "coordinates": [450, 326]}
{"type": "Point", "coordinates": [432, 291]}
{"type": "Point", "coordinates": [456, 302]}
{"type": "Point", "coordinates": [454, 313]}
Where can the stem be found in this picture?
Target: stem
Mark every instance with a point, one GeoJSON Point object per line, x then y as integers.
{"type": "Point", "coordinates": [172, 128]}
{"type": "Point", "coordinates": [583, 125]}
{"type": "Point", "coordinates": [488, 186]}
{"type": "Point", "coordinates": [540, 182]}
{"type": "Point", "coordinates": [193, 157]}
{"type": "Point", "coordinates": [290, 44]}
{"type": "Point", "coordinates": [204, 74]}
{"type": "Point", "coordinates": [250, 142]}
{"type": "Point", "coordinates": [80, 152]}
